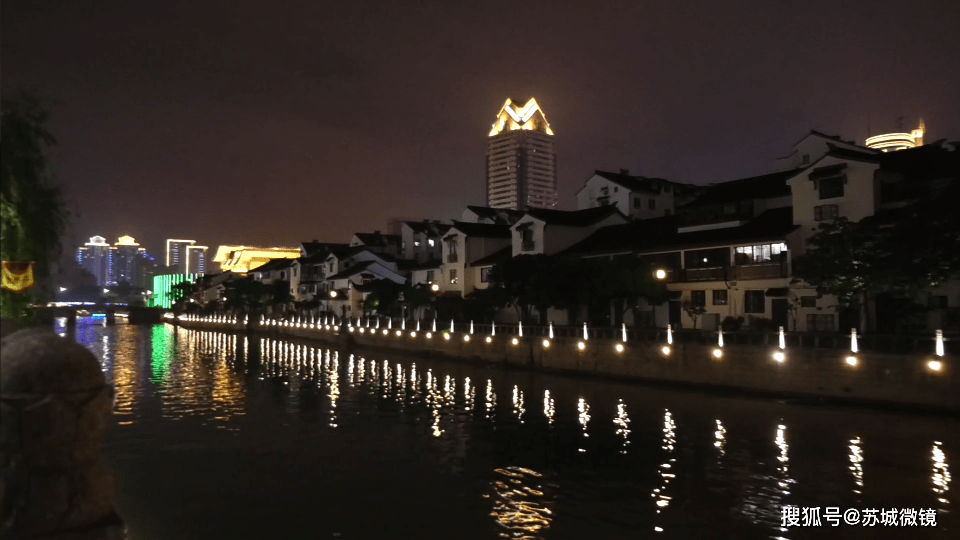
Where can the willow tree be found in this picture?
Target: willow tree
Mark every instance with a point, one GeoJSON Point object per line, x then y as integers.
{"type": "Point", "coordinates": [33, 215]}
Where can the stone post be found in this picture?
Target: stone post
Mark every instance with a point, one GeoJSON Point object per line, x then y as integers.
{"type": "Point", "coordinates": [54, 408]}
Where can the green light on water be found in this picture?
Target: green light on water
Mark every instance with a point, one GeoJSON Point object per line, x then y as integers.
{"type": "Point", "coordinates": [161, 352]}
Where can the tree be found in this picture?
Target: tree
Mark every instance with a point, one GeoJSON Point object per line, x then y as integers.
{"type": "Point", "coordinates": [383, 298]}
{"type": "Point", "coordinates": [33, 215]}
{"type": "Point", "coordinates": [895, 254]}
{"type": "Point", "coordinates": [243, 294]}
{"type": "Point", "coordinates": [694, 311]}
{"type": "Point", "coordinates": [528, 282]}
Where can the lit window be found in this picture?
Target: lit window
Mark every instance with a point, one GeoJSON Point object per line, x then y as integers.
{"type": "Point", "coordinates": [431, 242]}
{"type": "Point", "coordinates": [808, 301]}
{"type": "Point", "coordinates": [416, 243]}
{"type": "Point", "coordinates": [825, 211]}
{"type": "Point", "coordinates": [453, 276]}
{"type": "Point", "coordinates": [720, 297]}
{"type": "Point", "coordinates": [754, 302]}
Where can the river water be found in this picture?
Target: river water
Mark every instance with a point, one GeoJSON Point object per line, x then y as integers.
{"type": "Point", "coordinates": [227, 437]}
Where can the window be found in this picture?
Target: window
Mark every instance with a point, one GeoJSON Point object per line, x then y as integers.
{"type": "Point", "coordinates": [295, 271]}
{"type": "Point", "coordinates": [485, 274]}
{"type": "Point", "coordinates": [431, 242]}
{"type": "Point", "coordinates": [937, 301]}
{"type": "Point", "coordinates": [652, 204]}
{"type": "Point", "coordinates": [820, 323]}
{"type": "Point", "coordinates": [416, 243]}
{"type": "Point", "coordinates": [403, 244]}
{"type": "Point", "coordinates": [667, 212]}
{"type": "Point", "coordinates": [526, 240]}
{"type": "Point", "coordinates": [759, 254]}
{"type": "Point", "coordinates": [832, 187]}
{"type": "Point", "coordinates": [637, 202]}
{"type": "Point", "coordinates": [698, 298]}
{"type": "Point", "coordinates": [283, 275]}
{"type": "Point", "coordinates": [808, 301]}
{"type": "Point", "coordinates": [805, 160]}
{"type": "Point", "coordinates": [720, 297]}
{"type": "Point", "coordinates": [453, 276]}
{"type": "Point", "coordinates": [430, 276]}
{"type": "Point", "coordinates": [825, 211]}
{"type": "Point", "coordinates": [754, 302]}
{"type": "Point", "coordinates": [615, 189]}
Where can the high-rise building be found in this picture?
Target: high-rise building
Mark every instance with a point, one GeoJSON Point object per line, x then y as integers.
{"type": "Point", "coordinates": [521, 162]}
{"type": "Point", "coordinates": [196, 260]}
{"type": "Point", "coordinates": [177, 257]}
{"type": "Point", "coordinates": [94, 257]}
{"type": "Point", "coordinates": [125, 261]}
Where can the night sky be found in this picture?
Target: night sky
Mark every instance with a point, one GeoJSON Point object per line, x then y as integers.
{"type": "Point", "coordinates": [273, 123]}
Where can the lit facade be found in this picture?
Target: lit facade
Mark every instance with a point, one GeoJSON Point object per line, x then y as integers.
{"type": "Point", "coordinates": [94, 257]}
{"type": "Point", "coordinates": [197, 259]}
{"type": "Point", "coordinates": [125, 261]}
{"type": "Point", "coordinates": [521, 162]}
{"type": "Point", "coordinates": [163, 288]}
{"type": "Point", "coordinates": [241, 259]}
{"type": "Point", "coordinates": [890, 142]}
{"type": "Point", "coordinates": [177, 256]}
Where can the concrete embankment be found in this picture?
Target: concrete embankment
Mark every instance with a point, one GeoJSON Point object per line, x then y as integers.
{"type": "Point", "coordinates": [921, 382]}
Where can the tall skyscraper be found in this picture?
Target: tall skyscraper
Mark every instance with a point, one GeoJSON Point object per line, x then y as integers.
{"type": "Point", "coordinates": [125, 258]}
{"type": "Point", "coordinates": [521, 163]}
{"type": "Point", "coordinates": [177, 257]}
{"type": "Point", "coordinates": [197, 260]}
{"type": "Point", "coordinates": [94, 257]}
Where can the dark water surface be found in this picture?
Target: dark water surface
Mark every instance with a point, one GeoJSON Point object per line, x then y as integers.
{"type": "Point", "coordinates": [225, 437]}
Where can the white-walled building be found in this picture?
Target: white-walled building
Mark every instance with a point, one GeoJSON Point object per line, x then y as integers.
{"type": "Point", "coordinates": [637, 197]}
{"type": "Point", "coordinates": [463, 244]}
{"type": "Point", "coordinates": [420, 240]}
{"type": "Point", "coordinates": [545, 232]}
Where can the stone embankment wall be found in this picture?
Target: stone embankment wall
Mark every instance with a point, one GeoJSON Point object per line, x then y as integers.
{"type": "Point", "coordinates": [872, 378]}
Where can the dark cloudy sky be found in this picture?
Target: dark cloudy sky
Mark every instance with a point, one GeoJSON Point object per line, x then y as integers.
{"type": "Point", "coordinates": [275, 122]}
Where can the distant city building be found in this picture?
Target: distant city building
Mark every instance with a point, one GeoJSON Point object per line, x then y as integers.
{"type": "Point", "coordinates": [177, 256]}
{"type": "Point", "coordinates": [521, 163]}
{"type": "Point", "coordinates": [162, 290]}
{"type": "Point", "coordinates": [94, 257]}
{"type": "Point", "coordinates": [890, 142]}
{"type": "Point", "coordinates": [196, 259]}
{"type": "Point", "coordinates": [125, 259]}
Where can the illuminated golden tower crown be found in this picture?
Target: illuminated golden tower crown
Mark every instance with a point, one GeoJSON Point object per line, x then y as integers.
{"type": "Point", "coordinates": [521, 163]}
{"type": "Point", "coordinates": [898, 141]}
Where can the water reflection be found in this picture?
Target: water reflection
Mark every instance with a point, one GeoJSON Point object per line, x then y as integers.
{"type": "Point", "coordinates": [548, 407]}
{"type": "Point", "coordinates": [665, 470]}
{"type": "Point", "coordinates": [519, 505]}
{"type": "Point", "coordinates": [220, 380]}
{"type": "Point", "coordinates": [721, 438]}
{"type": "Point", "coordinates": [583, 416]}
{"type": "Point", "coordinates": [518, 408]}
{"type": "Point", "coordinates": [622, 421]}
{"type": "Point", "coordinates": [941, 474]}
{"type": "Point", "coordinates": [856, 464]}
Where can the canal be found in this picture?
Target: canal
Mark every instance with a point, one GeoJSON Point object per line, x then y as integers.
{"type": "Point", "coordinates": [220, 436]}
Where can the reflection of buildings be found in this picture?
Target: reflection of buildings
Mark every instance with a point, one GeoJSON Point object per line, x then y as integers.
{"type": "Point", "coordinates": [94, 257]}
{"type": "Point", "coordinates": [521, 163]}
{"type": "Point", "coordinates": [519, 503]}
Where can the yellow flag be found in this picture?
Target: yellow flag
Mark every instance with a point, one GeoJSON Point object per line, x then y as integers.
{"type": "Point", "coordinates": [16, 276]}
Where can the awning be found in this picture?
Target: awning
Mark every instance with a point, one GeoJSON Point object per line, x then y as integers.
{"type": "Point", "coordinates": [778, 292]}
{"type": "Point", "coordinates": [829, 171]}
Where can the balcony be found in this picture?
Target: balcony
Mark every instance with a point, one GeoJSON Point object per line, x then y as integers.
{"type": "Point", "coordinates": [733, 273]}
{"type": "Point", "coordinates": [452, 257]}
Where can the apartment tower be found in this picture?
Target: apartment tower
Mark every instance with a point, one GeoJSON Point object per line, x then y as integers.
{"type": "Point", "coordinates": [521, 162]}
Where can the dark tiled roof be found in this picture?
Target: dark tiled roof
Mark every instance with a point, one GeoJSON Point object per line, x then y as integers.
{"type": "Point", "coordinates": [352, 271]}
{"type": "Point", "coordinates": [273, 264]}
{"type": "Point", "coordinates": [575, 218]}
{"type": "Point", "coordinates": [482, 230]}
{"type": "Point", "coordinates": [494, 258]}
{"type": "Point", "coordinates": [661, 235]}
{"type": "Point", "coordinates": [428, 227]}
{"type": "Point", "coordinates": [635, 183]}
{"type": "Point", "coordinates": [378, 239]}
{"type": "Point", "coordinates": [757, 187]}
{"type": "Point", "coordinates": [870, 156]}
{"type": "Point", "coordinates": [313, 248]}
{"type": "Point", "coordinates": [492, 213]}
{"type": "Point", "coordinates": [426, 265]}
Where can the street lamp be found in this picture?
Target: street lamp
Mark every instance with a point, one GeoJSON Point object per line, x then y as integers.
{"type": "Point", "coordinates": [333, 294]}
{"type": "Point", "coordinates": [434, 287]}
{"type": "Point", "coordinates": [660, 273]}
